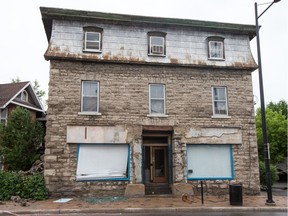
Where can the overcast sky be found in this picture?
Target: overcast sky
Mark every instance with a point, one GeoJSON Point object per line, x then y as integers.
{"type": "Point", "coordinates": [23, 40]}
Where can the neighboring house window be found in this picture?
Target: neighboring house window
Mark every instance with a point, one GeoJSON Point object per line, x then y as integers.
{"type": "Point", "coordinates": [24, 96]}
{"type": "Point", "coordinates": [103, 161]}
{"type": "Point", "coordinates": [3, 115]}
{"type": "Point", "coordinates": [92, 39]}
{"type": "Point", "coordinates": [216, 48]}
{"type": "Point", "coordinates": [1, 162]}
{"type": "Point", "coordinates": [157, 43]}
{"type": "Point", "coordinates": [219, 97]}
{"type": "Point", "coordinates": [157, 99]}
{"type": "Point", "coordinates": [209, 162]}
{"type": "Point", "coordinates": [90, 96]}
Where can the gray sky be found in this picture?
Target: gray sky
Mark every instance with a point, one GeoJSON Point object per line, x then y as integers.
{"type": "Point", "coordinates": [23, 40]}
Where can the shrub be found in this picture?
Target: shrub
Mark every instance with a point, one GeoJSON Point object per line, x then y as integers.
{"type": "Point", "coordinates": [273, 172]}
{"type": "Point", "coordinates": [15, 184]}
{"type": "Point", "coordinates": [20, 139]}
{"type": "Point", "coordinates": [10, 183]}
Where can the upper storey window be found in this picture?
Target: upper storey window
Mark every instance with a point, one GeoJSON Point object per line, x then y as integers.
{"type": "Point", "coordinates": [24, 96]}
{"type": "Point", "coordinates": [219, 97]}
{"type": "Point", "coordinates": [92, 39]}
{"type": "Point", "coordinates": [157, 43]}
{"type": "Point", "coordinates": [3, 118]}
{"type": "Point", "coordinates": [216, 48]}
{"type": "Point", "coordinates": [156, 99]}
{"type": "Point", "coordinates": [90, 97]}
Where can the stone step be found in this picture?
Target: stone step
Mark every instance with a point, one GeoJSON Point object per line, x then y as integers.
{"type": "Point", "coordinates": [150, 190]}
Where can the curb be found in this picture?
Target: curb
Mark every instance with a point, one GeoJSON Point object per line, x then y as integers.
{"type": "Point", "coordinates": [150, 210]}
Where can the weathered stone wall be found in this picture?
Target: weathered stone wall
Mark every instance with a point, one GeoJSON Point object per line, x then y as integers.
{"type": "Point", "coordinates": [124, 100]}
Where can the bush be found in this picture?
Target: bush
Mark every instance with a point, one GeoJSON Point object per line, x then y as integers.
{"type": "Point", "coordinates": [15, 184]}
{"type": "Point", "coordinates": [273, 172]}
{"type": "Point", "coordinates": [20, 139]}
{"type": "Point", "coordinates": [10, 184]}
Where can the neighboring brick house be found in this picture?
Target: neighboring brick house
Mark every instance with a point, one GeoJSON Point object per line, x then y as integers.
{"type": "Point", "coordinates": [21, 94]}
{"type": "Point", "coordinates": [141, 103]}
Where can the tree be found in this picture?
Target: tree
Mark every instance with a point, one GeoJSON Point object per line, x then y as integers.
{"type": "Point", "coordinates": [280, 107]}
{"type": "Point", "coordinates": [16, 80]}
{"type": "Point", "coordinates": [40, 93]}
{"type": "Point", "coordinates": [277, 135]}
{"type": "Point", "coordinates": [20, 139]}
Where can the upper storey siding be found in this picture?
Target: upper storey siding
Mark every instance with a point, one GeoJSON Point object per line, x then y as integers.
{"type": "Point", "coordinates": [128, 42]}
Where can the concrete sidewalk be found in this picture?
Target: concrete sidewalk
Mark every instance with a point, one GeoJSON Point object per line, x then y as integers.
{"type": "Point", "coordinates": [143, 204]}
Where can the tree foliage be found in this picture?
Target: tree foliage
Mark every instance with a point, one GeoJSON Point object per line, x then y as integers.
{"type": "Point", "coordinates": [16, 80]}
{"type": "Point", "coordinates": [276, 129]}
{"type": "Point", "coordinates": [36, 86]}
{"type": "Point", "coordinates": [20, 139]}
{"type": "Point", "coordinates": [280, 107]}
{"type": "Point", "coordinates": [262, 172]}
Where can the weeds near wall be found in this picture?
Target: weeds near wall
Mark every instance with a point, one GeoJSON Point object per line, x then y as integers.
{"type": "Point", "coordinates": [28, 187]}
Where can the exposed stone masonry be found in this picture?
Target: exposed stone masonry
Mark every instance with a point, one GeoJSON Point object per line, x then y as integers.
{"type": "Point", "coordinates": [124, 100]}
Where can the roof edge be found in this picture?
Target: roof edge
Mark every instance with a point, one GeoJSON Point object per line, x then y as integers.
{"type": "Point", "coordinates": [49, 13]}
{"type": "Point", "coordinates": [231, 67]}
{"type": "Point", "coordinates": [12, 98]}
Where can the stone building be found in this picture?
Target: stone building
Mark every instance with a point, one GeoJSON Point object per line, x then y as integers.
{"type": "Point", "coordinates": [148, 105]}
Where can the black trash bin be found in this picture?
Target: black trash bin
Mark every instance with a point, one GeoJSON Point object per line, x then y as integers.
{"type": "Point", "coordinates": [235, 193]}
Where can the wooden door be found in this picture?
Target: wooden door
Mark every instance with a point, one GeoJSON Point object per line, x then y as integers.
{"type": "Point", "coordinates": [158, 161]}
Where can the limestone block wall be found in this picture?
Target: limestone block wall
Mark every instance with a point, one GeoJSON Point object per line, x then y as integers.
{"type": "Point", "coordinates": [124, 101]}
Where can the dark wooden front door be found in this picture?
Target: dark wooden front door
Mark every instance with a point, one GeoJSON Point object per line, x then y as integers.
{"type": "Point", "coordinates": [158, 164]}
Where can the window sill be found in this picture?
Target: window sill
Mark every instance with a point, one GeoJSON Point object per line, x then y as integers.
{"type": "Point", "coordinates": [221, 117]}
{"type": "Point", "coordinates": [156, 55]}
{"type": "Point", "coordinates": [216, 59]}
{"type": "Point", "coordinates": [90, 113]}
{"type": "Point", "coordinates": [92, 51]}
{"type": "Point", "coordinates": [158, 115]}
{"type": "Point", "coordinates": [80, 179]}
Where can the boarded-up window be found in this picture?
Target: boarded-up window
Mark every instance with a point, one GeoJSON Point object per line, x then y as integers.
{"type": "Point", "coordinates": [206, 162]}
{"type": "Point", "coordinates": [103, 161]}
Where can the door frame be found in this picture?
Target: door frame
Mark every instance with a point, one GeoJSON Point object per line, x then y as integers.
{"type": "Point", "coordinates": [168, 156]}
{"type": "Point", "coordinates": [153, 176]}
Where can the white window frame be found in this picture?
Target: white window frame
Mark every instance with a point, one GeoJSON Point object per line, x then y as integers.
{"type": "Point", "coordinates": [95, 96]}
{"type": "Point", "coordinates": [92, 41]}
{"type": "Point", "coordinates": [3, 118]}
{"type": "Point", "coordinates": [152, 46]}
{"type": "Point", "coordinates": [103, 162]}
{"type": "Point", "coordinates": [24, 96]}
{"type": "Point", "coordinates": [211, 49]}
{"type": "Point", "coordinates": [221, 101]}
{"type": "Point", "coordinates": [1, 162]}
{"type": "Point", "coordinates": [209, 162]}
{"type": "Point", "coordinates": [163, 99]}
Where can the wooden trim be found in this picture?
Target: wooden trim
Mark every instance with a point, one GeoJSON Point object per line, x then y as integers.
{"type": "Point", "coordinates": [157, 128]}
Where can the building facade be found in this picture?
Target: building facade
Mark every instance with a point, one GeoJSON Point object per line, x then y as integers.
{"type": "Point", "coordinates": [139, 104]}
